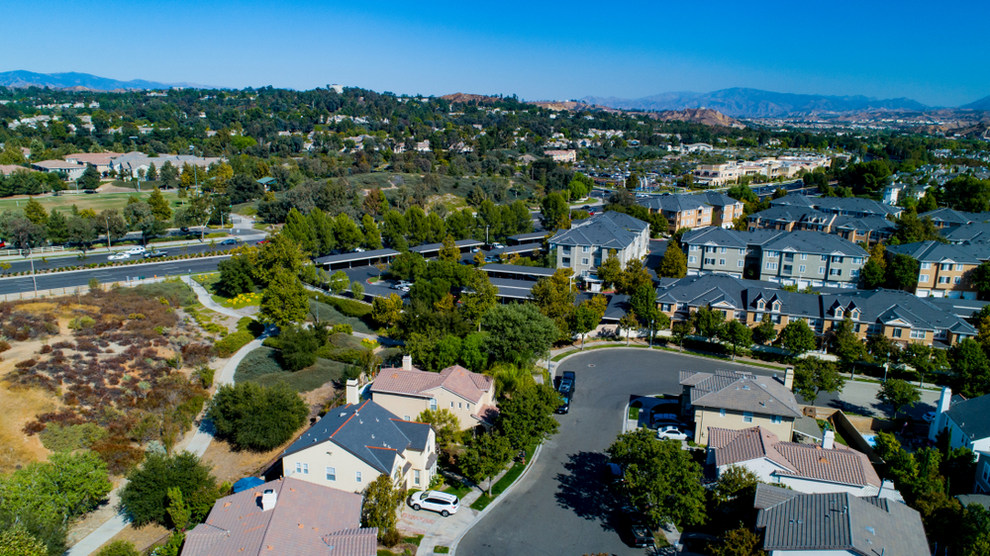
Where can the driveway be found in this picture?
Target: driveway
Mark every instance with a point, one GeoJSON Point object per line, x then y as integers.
{"type": "Point", "coordinates": [559, 506]}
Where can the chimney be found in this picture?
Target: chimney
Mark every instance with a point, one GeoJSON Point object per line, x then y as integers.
{"type": "Point", "coordinates": [351, 392]}
{"type": "Point", "coordinates": [944, 400]}
{"type": "Point", "coordinates": [407, 363]}
{"type": "Point", "coordinates": [789, 378]}
{"type": "Point", "coordinates": [268, 499]}
{"type": "Point", "coordinates": [828, 440]}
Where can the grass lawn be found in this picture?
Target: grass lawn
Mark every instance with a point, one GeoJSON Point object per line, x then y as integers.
{"type": "Point", "coordinates": [330, 314]}
{"type": "Point", "coordinates": [262, 367]}
{"type": "Point", "coordinates": [499, 487]}
{"type": "Point", "coordinates": [634, 413]}
{"type": "Point", "coordinates": [458, 491]}
{"type": "Point", "coordinates": [96, 201]}
{"type": "Point", "coordinates": [209, 282]}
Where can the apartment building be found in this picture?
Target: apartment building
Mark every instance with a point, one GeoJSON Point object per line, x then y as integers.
{"type": "Point", "coordinates": [695, 211]}
{"type": "Point", "coordinates": [799, 259]}
{"type": "Point", "coordinates": [947, 218]}
{"type": "Point", "coordinates": [589, 241]}
{"type": "Point", "coordinates": [898, 315]}
{"type": "Point", "coordinates": [856, 229]}
{"type": "Point", "coordinates": [842, 206]}
{"type": "Point", "coordinates": [944, 270]}
{"type": "Point", "coordinates": [772, 168]}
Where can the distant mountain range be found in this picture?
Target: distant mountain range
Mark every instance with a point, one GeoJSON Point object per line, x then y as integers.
{"type": "Point", "coordinates": [754, 103]}
{"type": "Point", "coordinates": [21, 78]}
{"type": "Point", "coordinates": [982, 104]}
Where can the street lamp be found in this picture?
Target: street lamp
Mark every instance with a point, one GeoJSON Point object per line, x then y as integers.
{"type": "Point", "coordinates": [651, 333]}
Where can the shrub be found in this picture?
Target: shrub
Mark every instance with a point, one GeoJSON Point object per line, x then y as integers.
{"type": "Point", "coordinates": [255, 417]}
{"type": "Point", "coordinates": [196, 354]}
{"type": "Point", "coordinates": [348, 307]}
{"type": "Point", "coordinates": [233, 342]}
{"type": "Point", "coordinates": [145, 497]}
{"type": "Point", "coordinates": [299, 347]}
{"type": "Point", "coordinates": [4, 346]}
{"type": "Point", "coordinates": [59, 438]}
{"type": "Point", "coordinates": [119, 548]}
{"type": "Point", "coordinates": [205, 376]}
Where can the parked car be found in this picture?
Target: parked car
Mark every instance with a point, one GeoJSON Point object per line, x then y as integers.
{"type": "Point", "coordinates": [475, 249]}
{"type": "Point", "coordinates": [359, 249]}
{"type": "Point", "coordinates": [154, 254]}
{"type": "Point", "coordinates": [674, 433]}
{"type": "Point", "coordinates": [119, 256]}
{"type": "Point", "coordinates": [640, 531]}
{"type": "Point", "coordinates": [565, 403]}
{"type": "Point", "coordinates": [497, 245]}
{"type": "Point", "coordinates": [136, 250]}
{"type": "Point", "coordinates": [928, 417]}
{"type": "Point", "coordinates": [441, 502]}
{"type": "Point", "coordinates": [229, 241]}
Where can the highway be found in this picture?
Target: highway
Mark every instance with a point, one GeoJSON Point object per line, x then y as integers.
{"type": "Point", "coordinates": [100, 256]}
{"type": "Point", "coordinates": [75, 278]}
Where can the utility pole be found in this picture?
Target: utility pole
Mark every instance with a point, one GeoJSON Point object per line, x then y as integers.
{"type": "Point", "coordinates": [108, 233]}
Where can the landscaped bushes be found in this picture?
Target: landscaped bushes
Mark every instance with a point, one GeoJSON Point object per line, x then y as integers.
{"type": "Point", "coordinates": [232, 342]}
{"type": "Point", "coordinates": [258, 418]}
{"type": "Point", "coordinates": [348, 307]}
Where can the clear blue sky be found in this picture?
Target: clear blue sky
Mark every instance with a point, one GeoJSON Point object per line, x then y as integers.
{"type": "Point", "coordinates": [936, 53]}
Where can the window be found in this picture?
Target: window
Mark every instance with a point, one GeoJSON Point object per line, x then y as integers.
{"type": "Point", "coordinates": [958, 267]}
{"type": "Point", "coordinates": [460, 405]}
{"type": "Point", "coordinates": [945, 266]}
{"type": "Point", "coordinates": [692, 259]}
{"type": "Point", "coordinates": [452, 405]}
{"type": "Point", "coordinates": [302, 468]}
{"type": "Point", "coordinates": [761, 304]}
{"type": "Point", "coordinates": [918, 334]}
{"type": "Point", "coordinates": [331, 473]}
{"type": "Point", "coordinates": [406, 418]}
{"type": "Point", "coordinates": [721, 413]}
{"type": "Point", "coordinates": [565, 262]}
{"type": "Point", "coordinates": [665, 307]}
{"type": "Point", "coordinates": [824, 258]}
{"type": "Point", "coordinates": [821, 270]}
{"type": "Point", "coordinates": [742, 251]}
{"type": "Point", "coordinates": [896, 333]}
{"type": "Point", "coordinates": [567, 249]}
{"type": "Point", "coordinates": [747, 416]}
{"type": "Point", "coordinates": [857, 260]}
{"type": "Point", "coordinates": [584, 261]}
{"type": "Point", "coordinates": [585, 248]}
{"type": "Point", "coordinates": [467, 406]}
{"type": "Point", "coordinates": [739, 263]}
{"type": "Point", "coordinates": [802, 268]}
{"type": "Point", "coordinates": [416, 476]}
{"type": "Point", "coordinates": [771, 266]}
{"type": "Point", "coordinates": [357, 476]}
{"type": "Point", "coordinates": [776, 419]}
{"type": "Point", "coordinates": [695, 247]}
{"type": "Point", "coordinates": [804, 256]}
{"type": "Point", "coordinates": [926, 266]}
{"type": "Point", "coordinates": [836, 259]}
{"type": "Point", "coordinates": [922, 277]}
{"type": "Point", "coordinates": [771, 253]}
{"type": "Point", "coordinates": [433, 404]}
{"type": "Point", "coordinates": [943, 279]}
{"type": "Point", "coordinates": [721, 250]}
{"type": "Point", "coordinates": [709, 261]}
{"type": "Point", "coordinates": [957, 279]}
{"type": "Point", "coordinates": [721, 262]}
{"type": "Point", "coordinates": [835, 272]}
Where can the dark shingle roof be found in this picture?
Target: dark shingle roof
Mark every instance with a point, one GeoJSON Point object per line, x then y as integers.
{"type": "Point", "coordinates": [611, 230]}
{"type": "Point", "coordinates": [933, 251]}
{"type": "Point", "coordinates": [972, 416]}
{"type": "Point", "coordinates": [742, 391]}
{"type": "Point", "coordinates": [368, 431]}
{"type": "Point", "coordinates": [798, 241]}
{"type": "Point", "coordinates": [838, 521]}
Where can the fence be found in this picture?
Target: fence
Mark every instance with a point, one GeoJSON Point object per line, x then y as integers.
{"type": "Point", "coordinates": [18, 253]}
{"type": "Point", "coordinates": [76, 290]}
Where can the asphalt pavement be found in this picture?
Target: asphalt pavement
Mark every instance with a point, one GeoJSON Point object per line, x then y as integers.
{"type": "Point", "coordinates": [561, 506]}
{"type": "Point", "coordinates": [73, 278]}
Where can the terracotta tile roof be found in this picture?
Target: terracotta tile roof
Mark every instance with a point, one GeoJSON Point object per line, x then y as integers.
{"type": "Point", "coordinates": [456, 379]}
{"type": "Point", "coordinates": [840, 465]}
{"type": "Point", "coordinates": [307, 519]}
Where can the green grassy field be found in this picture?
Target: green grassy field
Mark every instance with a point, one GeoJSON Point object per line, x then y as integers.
{"type": "Point", "coordinates": [261, 366]}
{"type": "Point", "coordinates": [96, 201]}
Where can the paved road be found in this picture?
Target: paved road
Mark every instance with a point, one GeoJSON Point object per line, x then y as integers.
{"type": "Point", "coordinates": [100, 256]}
{"type": "Point", "coordinates": [559, 507]}
{"type": "Point", "coordinates": [75, 278]}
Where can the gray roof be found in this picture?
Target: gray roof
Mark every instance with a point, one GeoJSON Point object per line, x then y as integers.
{"type": "Point", "coordinates": [935, 252]}
{"type": "Point", "coordinates": [368, 431]}
{"type": "Point", "coordinates": [950, 217]}
{"type": "Point", "coordinates": [518, 269]}
{"type": "Point", "coordinates": [531, 236]}
{"type": "Point", "coordinates": [678, 202]}
{"type": "Point", "coordinates": [852, 206]}
{"type": "Point", "coordinates": [972, 416]}
{"type": "Point", "coordinates": [350, 257]}
{"type": "Point", "coordinates": [714, 235]}
{"type": "Point", "coordinates": [461, 244]}
{"type": "Point", "coordinates": [741, 391]}
{"type": "Point", "coordinates": [798, 241]}
{"type": "Point", "coordinates": [867, 526]}
{"type": "Point", "coordinates": [610, 230]}
{"type": "Point", "coordinates": [974, 232]}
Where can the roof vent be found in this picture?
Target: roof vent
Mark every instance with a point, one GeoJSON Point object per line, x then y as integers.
{"type": "Point", "coordinates": [268, 499]}
{"type": "Point", "coordinates": [871, 530]}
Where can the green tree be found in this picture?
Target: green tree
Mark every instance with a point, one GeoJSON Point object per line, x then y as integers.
{"type": "Point", "coordinates": [338, 282]}
{"type": "Point", "coordinates": [736, 482]}
{"type": "Point", "coordinates": [634, 276]}
{"type": "Point", "coordinates": [145, 497]}
{"type": "Point", "coordinates": [159, 206]}
{"type": "Point", "coordinates": [610, 271]}
{"type": "Point", "coordinates": [902, 272]}
{"type": "Point", "coordinates": [970, 368]}
{"type": "Point", "coordinates": [372, 235]}
{"type": "Point", "coordinates": [90, 178]}
{"type": "Point", "coordinates": [357, 289]}
{"type": "Point", "coordinates": [797, 337]}
{"type": "Point", "coordinates": [478, 297]}
{"type": "Point", "coordinates": [674, 262]}
{"type": "Point", "coordinates": [57, 228]}
{"type": "Point", "coordinates": [874, 273]}
{"type": "Point", "coordinates": [486, 456]}
{"type": "Point", "coordinates": [737, 542]}
{"type": "Point", "coordinates": [386, 311]}
{"type": "Point", "coordinates": [82, 231]}
{"type": "Point", "coordinates": [588, 315]}
{"type": "Point", "coordinates": [661, 480]}
{"type": "Point", "coordinates": [813, 376]}
{"type": "Point", "coordinates": [555, 295]}
{"type": "Point", "coordinates": [737, 335]}
{"type": "Point", "coordinates": [517, 333]}
{"type": "Point", "coordinates": [285, 300]}
{"type": "Point", "coordinates": [298, 347]}
{"type": "Point", "coordinates": [280, 254]}
{"type": "Point", "coordinates": [628, 322]}
{"type": "Point", "coordinates": [152, 174]}
{"type": "Point", "coordinates": [526, 418]}
{"type": "Point", "coordinates": [444, 424]}
{"type": "Point", "coordinates": [380, 506]}
{"type": "Point", "coordinates": [36, 213]}
{"type": "Point", "coordinates": [765, 333]}
{"type": "Point", "coordinates": [235, 276]}
{"type": "Point", "coordinates": [708, 322]}
{"type": "Point", "coordinates": [898, 393]}
{"type": "Point", "coordinates": [980, 278]}
{"type": "Point", "coordinates": [846, 345]}
{"type": "Point", "coordinates": [178, 512]}
{"type": "Point", "coordinates": [348, 234]}
{"type": "Point", "coordinates": [256, 417]}
{"type": "Point", "coordinates": [555, 212]}
{"type": "Point", "coordinates": [449, 251]}
{"type": "Point", "coordinates": [17, 541]}
{"type": "Point", "coordinates": [169, 175]}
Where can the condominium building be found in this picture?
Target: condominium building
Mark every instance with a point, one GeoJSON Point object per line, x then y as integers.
{"type": "Point", "coordinates": [588, 243]}
{"type": "Point", "coordinates": [944, 270]}
{"type": "Point", "coordinates": [695, 211]}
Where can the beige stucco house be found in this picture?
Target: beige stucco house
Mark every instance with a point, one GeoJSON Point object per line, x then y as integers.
{"type": "Point", "coordinates": [352, 445]}
{"type": "Point", "coordinates": [739, 400]}
{"type": "Point", "coordinates": [408, 391]}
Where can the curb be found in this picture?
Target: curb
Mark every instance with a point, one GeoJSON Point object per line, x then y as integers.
{"type": "Point", "coordinates": [482, 513]}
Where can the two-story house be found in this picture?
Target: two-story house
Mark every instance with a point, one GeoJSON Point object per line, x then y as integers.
{"type": "Point", "coordinates": [588, 242]}
{"type": "Point", "coordinates": [967, 423]}
{"type": "Point", "coordinates": [824, 467]}
{"type": "Point", "coordinates": [408, 391]}
{"type": "Point", "coordinates": [737, 400]}
{"type": "Point", "coordinates": [352, 445]}
{"type": "Point", "coordinates": [944, 270]}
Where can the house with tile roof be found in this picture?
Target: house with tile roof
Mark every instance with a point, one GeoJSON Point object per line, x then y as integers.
{"type": "Point", "coordinates": [967, 424]}
{"type": "Point", "coordinates": [799, 258]}
{"type": "Point", "coordinates": [588, 242]}
{"type": "Point", "coordinates": [286, 516]}
{"type": "Point", "coordinates": [837, 524]}
{"type": "Point", "coordinates": [711, 208]}
{"type": "Point", "coordinates": [945, 270]}
{"type": "Point", "coordinates": [738, 400]}
{"type": "Point", "coordinates": [902, 317]}
{"type": "Point", "coordinates": [810, 468]}
{"type": "Point", "coordinates": [352, 445]}
{"type": "Point", "coordinates": [408, 391]}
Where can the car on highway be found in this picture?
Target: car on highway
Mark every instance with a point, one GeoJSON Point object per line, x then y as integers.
{"type": "Point", "coordinates": [673, 433]}
{"type": "Point", "coordinates": [136, 250]}
{"type": "Point", "coordinates": [441, 502]}
{"type": "Point", "coordinates": [123, 255]}
{"type": "Point", "coordinates": [229, 241]}
{"type": "Point", "coordinates": [154, 254]}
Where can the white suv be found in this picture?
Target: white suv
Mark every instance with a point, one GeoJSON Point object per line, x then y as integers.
{"type": "Point", "coordinates": [436, 501]}
{"type": "Point", "coordinates": [136, 250]}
